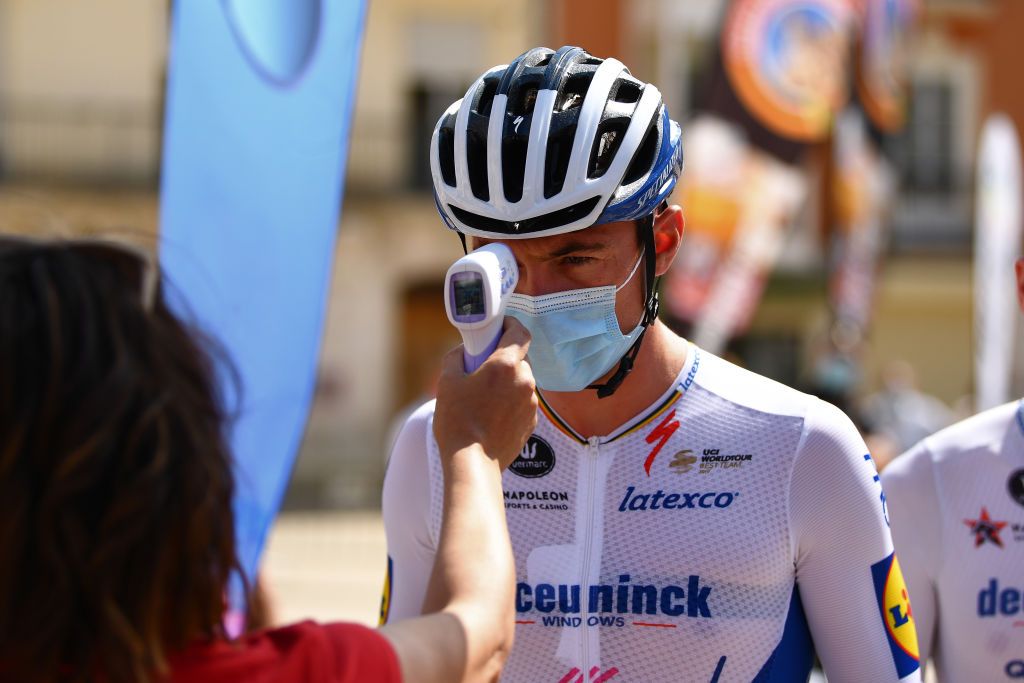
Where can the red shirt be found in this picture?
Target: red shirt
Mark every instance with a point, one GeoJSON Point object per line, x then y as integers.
{"type": "Point", "coordinates": [306, 652]}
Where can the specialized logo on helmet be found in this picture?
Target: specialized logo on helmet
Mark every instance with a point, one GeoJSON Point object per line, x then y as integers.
{"type": "Point", "coordinates": [894, 605]}
{"type": "Point", "coordinates": [671, 170]}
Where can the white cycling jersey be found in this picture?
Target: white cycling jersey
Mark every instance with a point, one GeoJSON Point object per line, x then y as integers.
{"type": "Point", "coordinates": [708, 539]}
{"type": "Point", "coordinates": [957, 506]}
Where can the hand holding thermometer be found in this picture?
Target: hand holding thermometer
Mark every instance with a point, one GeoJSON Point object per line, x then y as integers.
{"type": "Point", "coordinates": [476, 289]}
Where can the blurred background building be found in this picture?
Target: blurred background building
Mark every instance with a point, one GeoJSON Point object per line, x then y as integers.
{"type": "Point", "coordinates": [81, 98]}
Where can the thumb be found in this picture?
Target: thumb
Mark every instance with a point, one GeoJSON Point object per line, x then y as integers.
{"type": "Point", "coordinates": [452, 365]}
{"type": "Point", "coordinates": [516, 338]}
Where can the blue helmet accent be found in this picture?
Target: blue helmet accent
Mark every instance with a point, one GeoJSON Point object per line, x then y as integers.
{"type": "Point", "coordinates": [658, 186]}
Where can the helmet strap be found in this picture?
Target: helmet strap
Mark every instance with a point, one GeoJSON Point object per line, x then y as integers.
{"type": "Point", "coordinates": [645, 228]}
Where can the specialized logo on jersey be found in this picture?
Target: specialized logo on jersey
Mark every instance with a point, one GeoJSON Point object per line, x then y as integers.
{"type": "Point", "coordinates": [691, 500]}
{"type": "Point", "coordinates": [385, 596]}
{"type": "Point", "coordinates": [682, 462]}
{"type": "Point", "coordinates": [613, 606]}
{"type": "Point", "coordinates": [995, 601]}
{"type": "Point", "coordinates": [985, 529]}
{"type": "Point", "coordinates": [535, 460]}
{"type": "Point", "coordinates": [894, 605]}
{"type": "Point", "coordinates": [875, 478]}
{"type": "Point", "coordinates": [596, 675]}
{"type": "Point", "coordinates": [658, 436]}
{"type": "Point", "coordinates": [1015, 485]}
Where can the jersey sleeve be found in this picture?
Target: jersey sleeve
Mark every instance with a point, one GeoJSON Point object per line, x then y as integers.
{"type": "Point", "coordinates": [406, 506]}
{"type": "Point", "coordinates": [914, 512]}
{"type": "Point", "coordinates": [846, 571]}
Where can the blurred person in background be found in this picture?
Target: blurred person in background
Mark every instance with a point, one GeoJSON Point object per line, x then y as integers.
{"type": "Point", "coordinates": [116, 523]}
{"type": "Point", "coordinates": [956, 502]}
{"type": "Point", "coordinates": [900, 412]}
{"type": "Point", "coordinates": [673, 516]}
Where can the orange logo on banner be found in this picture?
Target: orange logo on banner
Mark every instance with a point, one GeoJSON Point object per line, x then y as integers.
{"type": "Point", "coordinates": [787, 61]}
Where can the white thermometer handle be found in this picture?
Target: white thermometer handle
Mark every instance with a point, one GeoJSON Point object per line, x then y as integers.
{"type": "Point", "coordinates": [477, 288]}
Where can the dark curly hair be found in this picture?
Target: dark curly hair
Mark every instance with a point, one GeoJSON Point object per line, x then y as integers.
{"type": "Point", "coordinates": [116, 527]}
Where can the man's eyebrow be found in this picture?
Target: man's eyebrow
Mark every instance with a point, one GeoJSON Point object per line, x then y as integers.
{"type": "Point", "coordinates": [576, 247]}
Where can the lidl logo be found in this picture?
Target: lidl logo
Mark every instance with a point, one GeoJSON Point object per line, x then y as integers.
{"type": "Point", "coordinates": [894, 606]}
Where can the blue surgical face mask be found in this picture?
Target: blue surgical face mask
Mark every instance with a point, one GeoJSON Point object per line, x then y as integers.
{"type": "Point", "coordinates": [576, 335]}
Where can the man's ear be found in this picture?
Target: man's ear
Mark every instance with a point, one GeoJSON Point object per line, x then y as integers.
{"type": "Point", "coordinates": [668, 234]}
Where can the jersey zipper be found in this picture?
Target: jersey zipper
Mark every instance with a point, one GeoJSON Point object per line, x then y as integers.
{"type": "Point", "coordinates": [593, 450]}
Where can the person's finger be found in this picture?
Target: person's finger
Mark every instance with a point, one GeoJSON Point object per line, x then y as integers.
{"type": "Point", "coordinates": [452, 364]}
{"type": "Point", "coordinates": [516, 338]}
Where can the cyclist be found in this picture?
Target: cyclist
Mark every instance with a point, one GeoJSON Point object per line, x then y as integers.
{"type": "Point", "coordinates": [673, 517]}
{"type": "Point", "coordinates": [956, 500]}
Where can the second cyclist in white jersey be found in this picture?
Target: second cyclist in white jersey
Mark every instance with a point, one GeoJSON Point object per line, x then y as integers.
{"type": "Point", "coordinates": [673, 517]}
{"type": "Point", "coordinates": [957, 505]}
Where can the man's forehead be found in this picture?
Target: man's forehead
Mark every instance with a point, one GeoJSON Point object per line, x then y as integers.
{"type": "Point", "coordinates": [610, 235]}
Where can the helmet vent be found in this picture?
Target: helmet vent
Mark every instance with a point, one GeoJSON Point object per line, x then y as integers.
{"type": "Point", "coordinates": [513, 167]}
{"type": "Point", "coordinates": [576, 87]}
{"type": "Point", "coordinates": [556, 161]}
{"type": "Point", "coordinates": [627, 92]}
{"type": "Point", "coordinates": [644, 157]}
{"type": "Point", "coordinates": [606, 144]}
{"type": "Point", "coordinates": [486, 100]}
{"type": "Point", "coordinates": [446, 150]}
{"type": "Point", "coordinates": [570, 101]}
{"type": "Point", "coordinates": [476, 161]}
{"type": "Point", "coordinates": [523, 95]}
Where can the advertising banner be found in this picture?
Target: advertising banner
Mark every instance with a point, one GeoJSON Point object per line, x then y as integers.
{"type": "Point", "coordinates": [259, 98]}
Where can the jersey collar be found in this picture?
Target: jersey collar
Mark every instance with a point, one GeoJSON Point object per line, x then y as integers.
{"type": "Point", "coordinates": [683, 382]}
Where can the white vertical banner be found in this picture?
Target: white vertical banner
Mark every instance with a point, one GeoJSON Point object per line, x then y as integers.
{"type": "Point", "coordinates": [997, 246]}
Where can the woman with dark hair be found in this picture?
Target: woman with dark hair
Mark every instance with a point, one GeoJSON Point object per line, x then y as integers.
{"type": "Point", "coordinates": [116, 526]}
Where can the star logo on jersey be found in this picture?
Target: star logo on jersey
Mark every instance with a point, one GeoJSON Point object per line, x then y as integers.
{"type": "Point", "coordinates": [985, 529]}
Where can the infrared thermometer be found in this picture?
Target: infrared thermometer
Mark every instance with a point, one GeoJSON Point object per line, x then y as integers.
{"type": "Point", "coordinates": [476, 290]}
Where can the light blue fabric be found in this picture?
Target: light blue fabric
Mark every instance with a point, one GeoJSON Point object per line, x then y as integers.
{"type": "Point", "coordinates": [575, 335]}
{"type": "Point", "coordinates": [258, 109]}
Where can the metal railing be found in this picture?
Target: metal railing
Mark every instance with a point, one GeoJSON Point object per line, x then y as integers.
{"type": "Point", "coordinates": [79, 142]}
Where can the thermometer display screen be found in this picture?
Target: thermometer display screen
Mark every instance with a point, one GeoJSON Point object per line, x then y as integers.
{"type": "Point", "coordinates": [468, 297]}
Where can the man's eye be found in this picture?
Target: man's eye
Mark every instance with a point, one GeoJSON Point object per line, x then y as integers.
{"type": "Point", "coordinates": [576, 260]}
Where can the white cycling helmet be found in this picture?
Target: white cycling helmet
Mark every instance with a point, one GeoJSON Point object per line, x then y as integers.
{"type": "Point", "coordinates": [551, 143]}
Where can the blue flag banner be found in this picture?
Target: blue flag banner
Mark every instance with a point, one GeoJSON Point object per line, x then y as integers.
{"type": "Point", "coordinates": [259, 101]}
